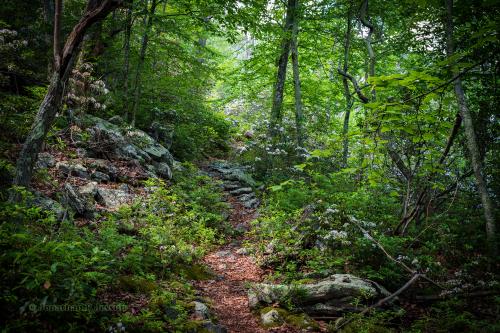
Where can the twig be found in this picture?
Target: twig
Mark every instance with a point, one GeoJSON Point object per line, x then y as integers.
{"type": "Point", "coordinates": [381, 302]}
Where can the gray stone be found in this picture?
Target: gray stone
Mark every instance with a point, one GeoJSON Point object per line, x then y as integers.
{"type": "Point", "coordinates": [76, 170]}
{"type": "Point", "coordinates": [100, 177]}
{"type": "Point", "coordinates": [45, 160]}
{"type": "Point", "coordinates": [163, 170]}
{"type": "Point", "coordinates": [208, 326]}
{"type": "Point", "coordinates": [241, 228]}
{"type": "Point", "coordinates": [243, 251]}
{"type": "Point", "coordinates": [334, 294]}
{"type": "Point", "coordinates": [81, 152]}
{"type": "Point", "coordinates": [117, 120]}
{"type": "Point", "coordinates": [201, 311]}
{"type": "Point", "coordinates": [231, 186]}
{"type": "Point", "coordinates": [81, 203]}
{"type": "Point", "coordinates": [271, 318]}
{"type": "Point", "coordinates": [112, 198]}
{"type": "Point", "coordinates": [242, 190]}
{"type": "Point", "coordinates": [46, 203]}
{"type": "Point", "coordinates": [223, 253]}
{"type": "Point", "coordinates": [88, 189]}
{"type": "Point", "coordinates": [252, 203]}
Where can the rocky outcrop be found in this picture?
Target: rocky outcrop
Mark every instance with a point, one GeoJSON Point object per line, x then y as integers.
{"type": "Point", "coordinates": [236, 181]}
{"type": "Point", "coordinates": [110, 140]}
{"type": "Point", "coordinates": [330, 296]}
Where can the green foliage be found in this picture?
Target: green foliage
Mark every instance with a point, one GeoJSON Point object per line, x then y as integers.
{"type": "Point", "coordinates": [141, 251]}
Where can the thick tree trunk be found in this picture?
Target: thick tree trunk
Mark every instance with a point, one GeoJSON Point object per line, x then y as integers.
{"type": "Point", "coordinates": [142, 58]}
{"type": "Point", "coordinates": [299, 116]}
{"type": "Point", "coordinates": [276, 110]}
{"type": "Point", "coordinates": [52, 101]}
{"type": "Point", "coordinates": [471, 139]}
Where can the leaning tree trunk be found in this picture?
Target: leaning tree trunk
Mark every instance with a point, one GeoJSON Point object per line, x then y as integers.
{"type": "Point", "coordinates": [471, 140]}
{"type": "Point", "coordinates": [299, 115]}
{"type": "Point", "coordinates": [276, 110]}
{"type": "Point", "coordinates": [142, 59]}
{"type": "Point", "coordinates": [94, 12]}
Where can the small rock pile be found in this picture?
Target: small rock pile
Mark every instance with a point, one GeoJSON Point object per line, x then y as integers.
{"type": "Point", "coordinates": [236, 181]}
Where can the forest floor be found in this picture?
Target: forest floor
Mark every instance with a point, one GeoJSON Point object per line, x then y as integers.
{"type": "Point", "coordinates": [235, 269]}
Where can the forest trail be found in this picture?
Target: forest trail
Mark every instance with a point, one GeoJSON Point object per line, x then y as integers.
{"type": "Point", "coordinates": [234, 269]}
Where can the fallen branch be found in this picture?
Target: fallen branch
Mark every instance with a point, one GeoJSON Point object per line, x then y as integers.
{"type": "Point", "coordinates": [400, 263]}
{"type": "Point", "coordinates": [342, 322]}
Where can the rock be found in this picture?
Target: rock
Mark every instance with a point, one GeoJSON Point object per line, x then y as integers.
{"type": "Point", "coordinates": [124, 187]}
{"type": "Point", "coordinates": [241, 228]}
{"type": "Point", "coordinates": [271, 318]}
{"type": "Point", "coordinates": [88, 189]}
{"type": "Point", "coordinates": [252, 203]}
{"type": "Point", "coordinates": [112, 198]}
{"type": "Point", "coordinates": [210, 327]}
{"type": "Point", "coordinates": [233, 172]}
{"type": "Point", "coordinates": [76, 170]}
{"type": "Point", "coordinates": [48, 204]}
{"type": "Point", "coordinates": [243, 251]}
{"type": "Point", "coordinates": [81, 203]}
{"type": "Point", "coordinates": [106, 167]}
{"type": "Point", "coordinates": [163, 170]}
{"type": "Point", "coordinates": [45, 160]}
{"type": "Point", "coordinates": [242, 190]}
{"type": "Point", "coordinates": [117, 120]}
{"type": "Point", "coordinates": [222, 253]}
{"type": "Point", "coordinates": [81, 152]}
{"type": "Point", "coordinates": [330, 296]}
{"type": "Point", "coordinates": [201, 311]}
{"type": "Point", "coordinates": [231, 186]}
{"type": "Point", "coordinates": [100, 177]}
{"type": "Point", "coordinates": [155, 150]}
{"type": "Point", "coordinates": [162, 134]}
{"type": "Point", "coordinates": [248, 134]}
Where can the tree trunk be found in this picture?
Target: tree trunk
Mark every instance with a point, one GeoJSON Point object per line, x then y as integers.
{"type": "Point", "coordinates": [299, 116]}
{"type": "Point", "coordinates": [276, 110]}
{"type": "Point", "coordinates": [57, 33]}
{"type": "Point", "coordinates": [51, 104]}
{"type": "Point", "coordinates": [142, 58]}
{"type": "Point", "coordinates": [368, 41]}
{"type": "Point", "coordinates": [126, 58]}
{"type": "Point", "coordinates": [347, 92]}
{"type": "Point", "coordinates": [471, 140]}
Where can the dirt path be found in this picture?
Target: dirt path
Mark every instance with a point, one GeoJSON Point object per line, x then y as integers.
{"type": "Point", "coordinates": [228, 293]}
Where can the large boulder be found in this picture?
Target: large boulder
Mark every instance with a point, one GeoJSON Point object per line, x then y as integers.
{"type": "Point", "coordinates": [330, 296]}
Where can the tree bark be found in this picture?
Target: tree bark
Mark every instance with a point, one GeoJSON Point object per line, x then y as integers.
{"type": "Point", "coordinates": [51, 104]}
{"type": "Point", "coordinates": [471, 139]}
{"type": "Point", "coordinates": [276, 110]}
{"type": "Point", "coordinates": [142, 58]}
{"type": "Point", "coordinates": [57, 33]}
{"type": "Point", "coordinates": [347, 92]}
{"type": "Point", "coordinates": [126, 58]}
{"type": "Point", "coordinates": [299, 115]}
